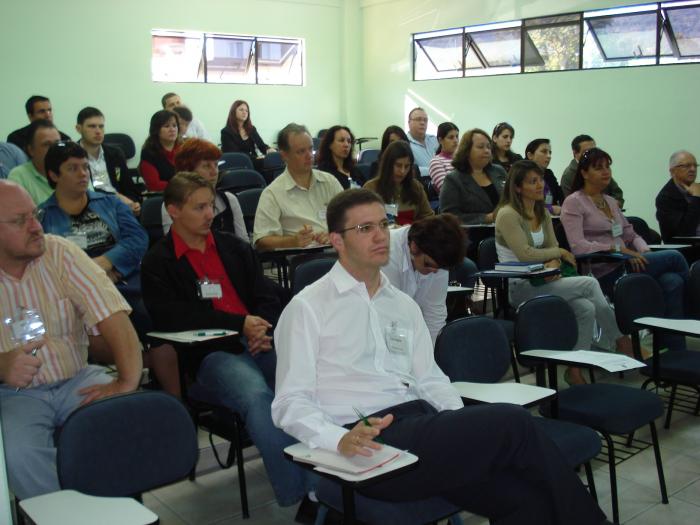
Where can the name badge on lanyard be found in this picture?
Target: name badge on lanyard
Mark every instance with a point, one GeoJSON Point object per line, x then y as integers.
{"type": "Point", "coordinates": [209, 289]}
{"type": "Point", "coordinates": [616, 229]}
{"type": "Point", "coordinates": [396, 338]}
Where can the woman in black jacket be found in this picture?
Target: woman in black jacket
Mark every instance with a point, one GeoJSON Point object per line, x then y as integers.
{"type": "Point", "coordinates": [540, 152]}
{"type": "Point", "coordinates": [240, 135]}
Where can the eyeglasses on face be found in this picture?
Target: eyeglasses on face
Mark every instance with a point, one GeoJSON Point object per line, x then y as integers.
{"type": "Point", "coordinates": [687, 165]}
{"type": "Point", "coordinates": [367, 228]}
{"type": "Point", "coordinates": [420, 119]}
{"type": "Point", "coordinates": [21, 220]}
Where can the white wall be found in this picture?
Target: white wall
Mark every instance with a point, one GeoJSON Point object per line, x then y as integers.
{"type": "Point", "coordinates": [97, 53]}
{"type": "Point", "coordinates": [639, 115]}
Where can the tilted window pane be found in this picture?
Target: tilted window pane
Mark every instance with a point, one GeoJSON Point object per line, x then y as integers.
{"type": "Point", "coordinates": [624, 37]}
{"type": "Point", "coordinates": [176, 57]}
{"type": "Point", "coordinates": [438, 57]}
{"type": "Point", "coordinates": [550, 20]}
{"type": "Point", "coordinates": [686, 28]}
{"type": "Point", "coordinates": [230, 60]}
{"type": "Point", "coordinates": [280, 62]}
{"type": "Point", "coordinates": [500, 48]}
{"type": "Point", "coordinates": [555, 48]}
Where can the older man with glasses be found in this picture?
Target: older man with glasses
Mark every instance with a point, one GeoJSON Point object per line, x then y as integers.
{"type": "Point", "coordinates": [44, 374]}
{"type": "Point", "coordinates": [423, 145]}
{"type": "Point", "coordinates": [678, 202]}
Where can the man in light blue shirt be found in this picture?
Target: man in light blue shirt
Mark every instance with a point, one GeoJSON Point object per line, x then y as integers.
{"type": "Point", "coordinates": [422, 144]}
{"type": "Point", "coordinates": [10, 156]}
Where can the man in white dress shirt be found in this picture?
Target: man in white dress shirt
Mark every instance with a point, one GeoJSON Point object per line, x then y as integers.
{"type": "Point", "coordinates": [419, 258]}
{"type": "Point", "coordinates": [352, 340]}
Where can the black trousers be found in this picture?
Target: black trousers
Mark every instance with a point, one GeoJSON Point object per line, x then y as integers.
{"type": "Point", "coordinates": [491, 460]}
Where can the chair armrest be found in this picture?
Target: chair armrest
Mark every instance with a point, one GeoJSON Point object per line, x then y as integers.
{"type": "Point", "coordinates": [689, 327]}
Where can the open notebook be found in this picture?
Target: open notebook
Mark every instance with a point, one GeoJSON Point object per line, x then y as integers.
{"type": "Point", "coordinates": [356, 468]}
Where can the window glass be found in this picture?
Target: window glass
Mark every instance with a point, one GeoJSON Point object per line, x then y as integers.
{"type": "Point", "coordinates": [438, 57]}
{"type": "Point", "coordinates": [176, 57]}
{"type": "Point", "coordinates": [279, 61]}
{"type": "Point", "coordinates": [230, 60]}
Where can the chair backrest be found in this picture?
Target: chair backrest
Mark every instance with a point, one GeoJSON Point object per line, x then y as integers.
{"type": "Point", "coordinates": [642, 229]}
{"type": "Point", "coordinates": [464, 272]}
{"type": "Point", "coordinates": [637, 295]}
{"type": "Point", "coordinates": [248, 199]}
{"type": "Point", "coordinates": [311, 271]}
{"type": "Point", "coordinates": [273, 165]}
{"type": "Point", "coordinates": [473, 349]}
{"type": "Point", "coordinates": [122, 141]}
{"type": "Point", "coordinates": [560, 234]}
{"type": "Point", "coordinates": [694, 291]}
{"type": "Point", "coordinates": [368, 156]}
{"type": "Point", "coordinates": [151, 218]}
{"type": "Point", "coordinates": [487, 257]}
{"type": "Point", "coordinates": [126, 444]}
{"type": "Point", "coordinates": [234, 160]}
{"type": "Point", "coordinates": [239, 180]}
{"type": "Point", "coordinates": [546, 322]}
{"type": "Point", "coordinates": [364, 170]}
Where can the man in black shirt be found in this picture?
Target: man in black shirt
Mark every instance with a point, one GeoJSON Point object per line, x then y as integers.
{"type": "Point", "coordinates": [38, 107]}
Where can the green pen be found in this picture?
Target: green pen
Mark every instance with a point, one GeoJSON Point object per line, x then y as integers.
{"type": "Point", "coordinates": [364, 419]}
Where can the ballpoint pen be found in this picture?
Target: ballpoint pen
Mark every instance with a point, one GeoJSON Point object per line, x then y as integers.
{"type": "Point", "coordinates": [364, 419]}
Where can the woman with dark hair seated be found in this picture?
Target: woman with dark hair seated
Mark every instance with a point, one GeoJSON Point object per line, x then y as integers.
{"type": "Point", "coordinates": [391, 134]}
{"type": "Point", "coordinates": [241, 136]}
{"type": "Point", "coordinates": [524, 233]}
{"type": "Point", "coordinates": [202, 157]}
{"type": "Point", "coordinates": [397, 185]}
{"type": "Point", "coordinates": [106, 229]}
{"type": "Point", "coordinates": [594, 223]}
{"type": "Point", "coordinates": [441, 164]}
{"type": "Point", "coordinates": [473, 189]}
{"type": "Point", "coordinates": [502, 138]}
{"type": "Point", "coordinates": [157, 165]}
{"type": "Point", "coordinates": [336, 156]}
{"type": "Point", "coordinates": [540, 152]}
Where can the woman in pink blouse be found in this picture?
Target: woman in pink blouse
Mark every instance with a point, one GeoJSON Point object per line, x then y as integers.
{"type": "Point", "coordinates": [594, 223]}
{"type": "Point", "coordinates": [441, 164]}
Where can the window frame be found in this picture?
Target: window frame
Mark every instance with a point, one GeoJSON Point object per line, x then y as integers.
{"type": "Point", "coordinates": [664, 32]}
{"type": "Point", "coordinates": [253, 55]}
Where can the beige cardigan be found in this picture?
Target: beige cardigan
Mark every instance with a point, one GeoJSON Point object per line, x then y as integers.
{"type": "Point", "coordinates": [513, 231]}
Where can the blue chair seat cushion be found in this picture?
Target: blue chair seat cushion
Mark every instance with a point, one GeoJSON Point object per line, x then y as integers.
{"type": "Point", "coordinates": [577, 443]}
{"type": "Point", "coordinates": [373, 511]}
{"type": "Point", "coordinates": [614, 409]}
{"type": "Point", "coordinates": [681, 366]}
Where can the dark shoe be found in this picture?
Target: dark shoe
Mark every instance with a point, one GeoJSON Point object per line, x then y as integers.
{"type": "Point", "coordinates": [306, 513]}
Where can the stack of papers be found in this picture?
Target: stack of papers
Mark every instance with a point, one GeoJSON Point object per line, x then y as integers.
{"type": "Point", "coordinates": [606, 361]}
{"type": "Point", "coordinates": [518, 267]}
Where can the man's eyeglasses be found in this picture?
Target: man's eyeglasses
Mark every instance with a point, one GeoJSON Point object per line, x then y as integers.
{"type": "Point", "coordinates": [21, 220]}
{"type": "Point", "coordinates": [687, 166]}
{"type": "Point", "coordinates": [368, 227]}
{"type": "Point", "coordinates": [419, 119]}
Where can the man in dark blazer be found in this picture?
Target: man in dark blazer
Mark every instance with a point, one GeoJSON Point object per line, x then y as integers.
{"type": "Point", "coordinates": [108, 168]}
{"type": "Point", "coordinates": [198, 279]}
{"type": "Point", "coordinates": [678, 202]}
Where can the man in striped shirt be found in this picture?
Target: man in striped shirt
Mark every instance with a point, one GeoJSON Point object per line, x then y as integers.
{"type": "Point", "coordinates": [80, 308]}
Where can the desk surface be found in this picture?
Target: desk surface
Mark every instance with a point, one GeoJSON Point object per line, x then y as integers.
{"type": "Point", "coordinates": [193, 336]}
{"type": "Point", "coordinates": [460, 289]}
{"type": "Point", "coordinates": [514, 393]}
{"type": "Point", "coordinates": [685, 326]}
{"type": "Point", "coordinates": [669, 246]}
{"type": "Point", "coordinates": [69, 507]}
{"type": "Point", "coordinates": [547, 272]}
{"type": "Point", "coordinates": [484, 225]}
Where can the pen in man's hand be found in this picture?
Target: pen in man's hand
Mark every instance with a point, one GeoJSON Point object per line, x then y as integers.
{"type": "Point", "coordinates": [364, 419]}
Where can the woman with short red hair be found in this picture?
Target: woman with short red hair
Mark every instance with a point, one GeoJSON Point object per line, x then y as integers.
{"type": "Point", "coordinates": [202, 157]}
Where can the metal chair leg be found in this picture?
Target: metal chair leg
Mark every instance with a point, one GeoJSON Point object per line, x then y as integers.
{"type": "Point", "coordinates": [591, 480]}
{"type": "Point", "coordinates": [613, 478]}
{"type": "Point", "coordinates": [659, 465]}
{"type": "Point", "coordinates": [669, 409]}
{"type": "Point", "coordinates": [241, 469]}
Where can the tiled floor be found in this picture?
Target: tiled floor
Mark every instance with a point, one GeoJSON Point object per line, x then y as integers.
{"type": "Point", "coordinates": [214, 498]}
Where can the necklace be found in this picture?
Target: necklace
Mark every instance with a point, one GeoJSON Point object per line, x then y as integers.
{"type": "Point", "coordinates": [600, 203]}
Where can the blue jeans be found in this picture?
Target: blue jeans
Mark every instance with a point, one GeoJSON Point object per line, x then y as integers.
{"type": "Point", "coordinates": [670, 269]}
{"type": "Point", "coordinates": [245, 384]}
{"type": "Point", "coordinates": [29, 418]}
